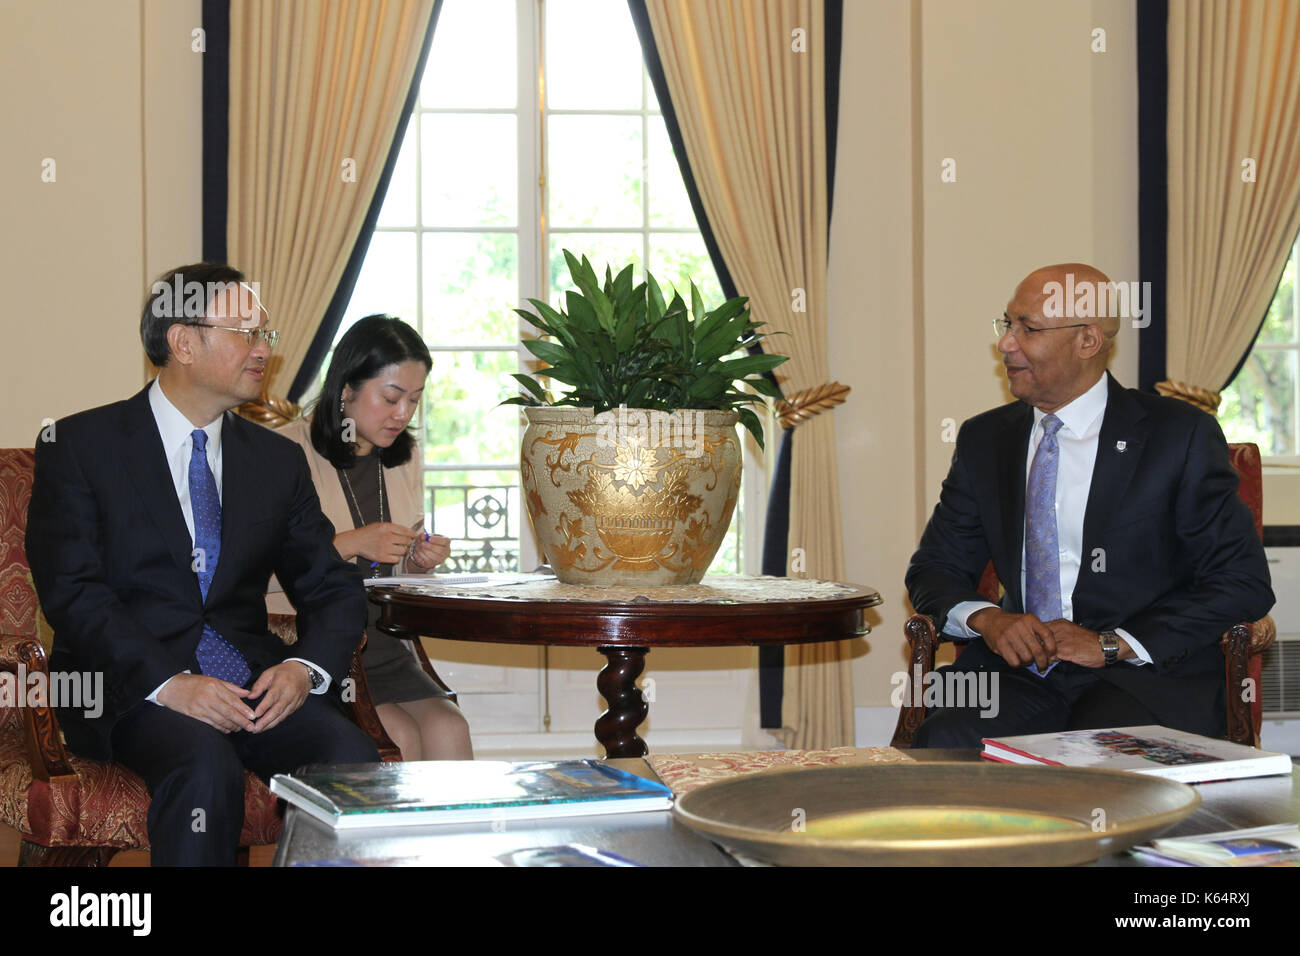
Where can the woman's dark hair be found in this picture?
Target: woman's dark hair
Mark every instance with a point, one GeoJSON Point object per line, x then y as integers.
{"type": "Point", "coordinates": [370, 346]}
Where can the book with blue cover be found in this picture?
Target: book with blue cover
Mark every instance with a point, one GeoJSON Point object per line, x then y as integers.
{"type": "Point", "coordinates": [466, 791]}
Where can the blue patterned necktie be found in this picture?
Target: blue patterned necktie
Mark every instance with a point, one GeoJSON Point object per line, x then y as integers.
{"type": "Point", "coordinates": [1042, 550]}
{"type": "Point", "coordinates": [217, 657]}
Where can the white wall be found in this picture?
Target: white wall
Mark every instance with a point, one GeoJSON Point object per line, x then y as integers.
{"type": "Point", "coordinates": [1044, 136]}
{"type": "Point", "coordinates": [113, 98]}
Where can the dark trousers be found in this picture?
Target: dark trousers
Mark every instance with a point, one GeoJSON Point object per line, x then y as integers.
{"type": "Point", "coordinates": [195, 773]}
{"type": "Point", "coordinates": [1070, 697]}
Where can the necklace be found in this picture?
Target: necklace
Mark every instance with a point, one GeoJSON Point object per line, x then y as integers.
{"type": "Point", "coordinates": [374, 571]}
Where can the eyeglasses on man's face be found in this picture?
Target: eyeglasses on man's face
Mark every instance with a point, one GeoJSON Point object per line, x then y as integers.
{"type": "Point", "coordinates": [1020, 331]}
{"type": "Point", "coordinates": [252, 337]}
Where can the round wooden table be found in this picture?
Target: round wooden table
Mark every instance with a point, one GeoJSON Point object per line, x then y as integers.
{"type": "Point", "coordinates": [623, 624]}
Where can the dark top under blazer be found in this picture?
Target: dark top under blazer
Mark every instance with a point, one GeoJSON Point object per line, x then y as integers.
{"type": "Point", "coordinates": [1170, 551]}
{"type": "Point", "coordinates": [110, 555]}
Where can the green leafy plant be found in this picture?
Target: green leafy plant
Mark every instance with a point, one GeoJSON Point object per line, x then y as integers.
{"type": "Point", "coordinates": [620, 344]}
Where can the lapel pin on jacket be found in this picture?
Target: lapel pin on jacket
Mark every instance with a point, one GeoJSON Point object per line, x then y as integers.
{"type": "Point", "coordinates": [1121, 445]}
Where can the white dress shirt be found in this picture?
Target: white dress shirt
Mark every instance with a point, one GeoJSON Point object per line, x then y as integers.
{"type": "Point", "coordinates": [1077, 439]}
{"type": "Point", "coordinates": [177, 434]}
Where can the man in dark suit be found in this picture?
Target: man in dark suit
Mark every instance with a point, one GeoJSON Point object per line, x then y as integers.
{"type": "Point", "coordinates": [154, 526]}
{"type": "Point", "coordinates": [1113, 521]}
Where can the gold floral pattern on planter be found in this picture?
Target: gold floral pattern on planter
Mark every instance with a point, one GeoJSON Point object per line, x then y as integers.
{"type": "Point", "coordinates": [630, 505]}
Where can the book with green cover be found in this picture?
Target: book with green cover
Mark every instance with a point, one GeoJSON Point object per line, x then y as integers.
{"type": "Point", "coordinates": [465, 791]}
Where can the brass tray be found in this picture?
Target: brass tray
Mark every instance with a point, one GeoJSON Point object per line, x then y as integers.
{"type": "Point", "coordinates": [935, 814]}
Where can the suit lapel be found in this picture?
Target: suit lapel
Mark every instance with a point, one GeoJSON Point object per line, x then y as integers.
{"type": "Point", "coordinates": [146, 462]}
{"type": "Point", "coordinates": [1119, 452]}
{"type": "Point", "coordinates": [1013, 445]}
{"type": "Point", "coordinates": [237, 497]}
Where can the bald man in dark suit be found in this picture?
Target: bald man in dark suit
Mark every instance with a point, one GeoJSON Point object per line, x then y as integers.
{"type": "Point", "coordinates": [1113, 521]}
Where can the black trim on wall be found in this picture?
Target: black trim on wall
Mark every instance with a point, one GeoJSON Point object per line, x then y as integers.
{"type": "Point", "coordinates": [329, 326]}
{"type": "Point", "coordinates": [776, 540]}
{"type": "Point", "coordinates": [216, 127]}
{"type": "Point", "coordinates": [834, 18]}
{"type": "Point", "coordinates": [1153, 184]}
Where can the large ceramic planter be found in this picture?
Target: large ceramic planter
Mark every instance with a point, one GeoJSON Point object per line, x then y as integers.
{"type": "Point", "coordinates": [630, 496]}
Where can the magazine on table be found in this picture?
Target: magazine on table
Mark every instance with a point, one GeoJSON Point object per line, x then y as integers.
{"type": "Point", "coordinates": [1158, 751]}
{"type": "Point", "coordinates": [466, 791]}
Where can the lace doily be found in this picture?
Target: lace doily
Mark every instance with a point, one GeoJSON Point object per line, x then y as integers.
{"type": "Point", "coordinates": [714, 589]}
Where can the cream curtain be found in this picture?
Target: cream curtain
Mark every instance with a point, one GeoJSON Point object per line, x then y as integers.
{"type": "Point", "coordinates": [747, 82]}
{"type": "Point", "coordinates": [316, 91]}
{"type": "Point", "coordinates": [1234, 111]}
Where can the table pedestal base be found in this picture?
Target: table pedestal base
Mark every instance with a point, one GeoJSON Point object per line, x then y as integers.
{"type": "Point", "coordinates": [616, 727]}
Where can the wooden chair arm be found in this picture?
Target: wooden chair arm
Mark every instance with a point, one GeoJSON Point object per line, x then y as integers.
{"type": "Point", "coordinates": [361, 709]}
{"type": "Point", "coordinates": [923, 638]}
{"type": "Point", "coordinates": [1262, 634]}
{"type": "Point", "coordinates": [41, 735]}
{"type": "Point", "coordinates": [1237, 651]}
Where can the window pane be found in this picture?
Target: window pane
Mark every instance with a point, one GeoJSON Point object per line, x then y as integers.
{"type": "Point", "coordinates": [462, 420]}
{"type": "Point", "coordinates": [399, 202]}
{"type": "Point", "coordinates": [1280, 322]}
{"type": "Point", "coordinates": [472, 60]}
{"type": "Point", "coordinates": [386, 282]}
{"type": "Point", "coordinates": [471, 283]}
{"type": "Point", "coordinates": [594, 171]}
{"type": "Point", "coordinates": [613, 250]}
{"type": "Point", "coordinates": [1260, 404]}
{"type": "Point", "coordinates": [593, 56]}
{"type": "Point", "coordinates": [669, 204]}
{"type": "Point", "coordinates": [678, 258]}
{"type": "Point", "coordinates": [469, 176]}
{"type": "Point", "coordinates": [479, 511]}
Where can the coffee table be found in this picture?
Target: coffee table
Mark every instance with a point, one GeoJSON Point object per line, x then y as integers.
{"type": "Point", "coordinates": [658, 839]}
{"type": "Point", "coordinates": [624, 623]}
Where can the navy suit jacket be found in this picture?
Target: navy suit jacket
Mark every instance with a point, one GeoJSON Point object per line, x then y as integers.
{"type": "Point", "coordinates": [1170, 551]}
{"type": "Point", "coordinates": [110, 555]}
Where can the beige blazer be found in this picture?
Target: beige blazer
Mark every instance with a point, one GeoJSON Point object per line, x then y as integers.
{"type": "Point", "coordinates": [403, 498]}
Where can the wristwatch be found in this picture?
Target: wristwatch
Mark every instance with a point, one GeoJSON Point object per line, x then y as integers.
{"type": "Point", "coordinates": [314, 675]}
{"type": "Point", "coordinates": [1109, 641]}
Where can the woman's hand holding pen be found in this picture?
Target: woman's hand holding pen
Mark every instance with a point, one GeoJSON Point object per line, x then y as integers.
{"type": "Point", "coordinates": [428, 551]}
{"type": "Point", "coordinates": [381, 542]}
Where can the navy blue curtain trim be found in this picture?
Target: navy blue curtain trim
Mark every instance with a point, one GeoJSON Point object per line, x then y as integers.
{"type": "Point", "coordinates": [329, 326]}
{"type": "Point", "coordinates": [641, 17]}
{"type": "Point", "coordinates": [1259, 328]}
{"type": "Point", "coordinates": [216, 126]}
{"type": "Point", "coordinates": [1153, 184]}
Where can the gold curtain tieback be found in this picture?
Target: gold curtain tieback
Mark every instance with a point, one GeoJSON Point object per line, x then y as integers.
{"type": "Point", "coordinates": [270, 410]}
{"type": "Point", "coordinates": [1207, 400]}
{"type": "Point", "coordinates": [803, 405]}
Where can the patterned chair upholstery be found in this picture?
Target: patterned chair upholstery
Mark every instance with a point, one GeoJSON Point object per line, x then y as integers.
{"type": "Point", "coordinates": [68, 810]}
{"type": "Point", "coordinates": [1243, 644]}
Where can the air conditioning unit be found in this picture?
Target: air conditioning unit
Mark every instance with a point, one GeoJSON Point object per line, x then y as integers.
{"type": "Point", "coordinates": [1279, 689]}
{"type": "Point", "coordinates": [1280, 677]}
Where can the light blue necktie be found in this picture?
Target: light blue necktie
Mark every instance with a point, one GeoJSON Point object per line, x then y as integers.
{"type": "Point", "coordinates": [217, 657]}
{"type": "Point", "coordinates": [1042, 550]}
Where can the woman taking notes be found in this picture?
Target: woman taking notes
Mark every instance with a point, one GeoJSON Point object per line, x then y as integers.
{"type": "Point", "coordinates": [366, 467]}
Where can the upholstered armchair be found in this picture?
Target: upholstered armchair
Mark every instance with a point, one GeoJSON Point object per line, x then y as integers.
{"type": "Point", "coordinates": [68, 810]}
{"type": "Point", "coordinates": [1243, 644]}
